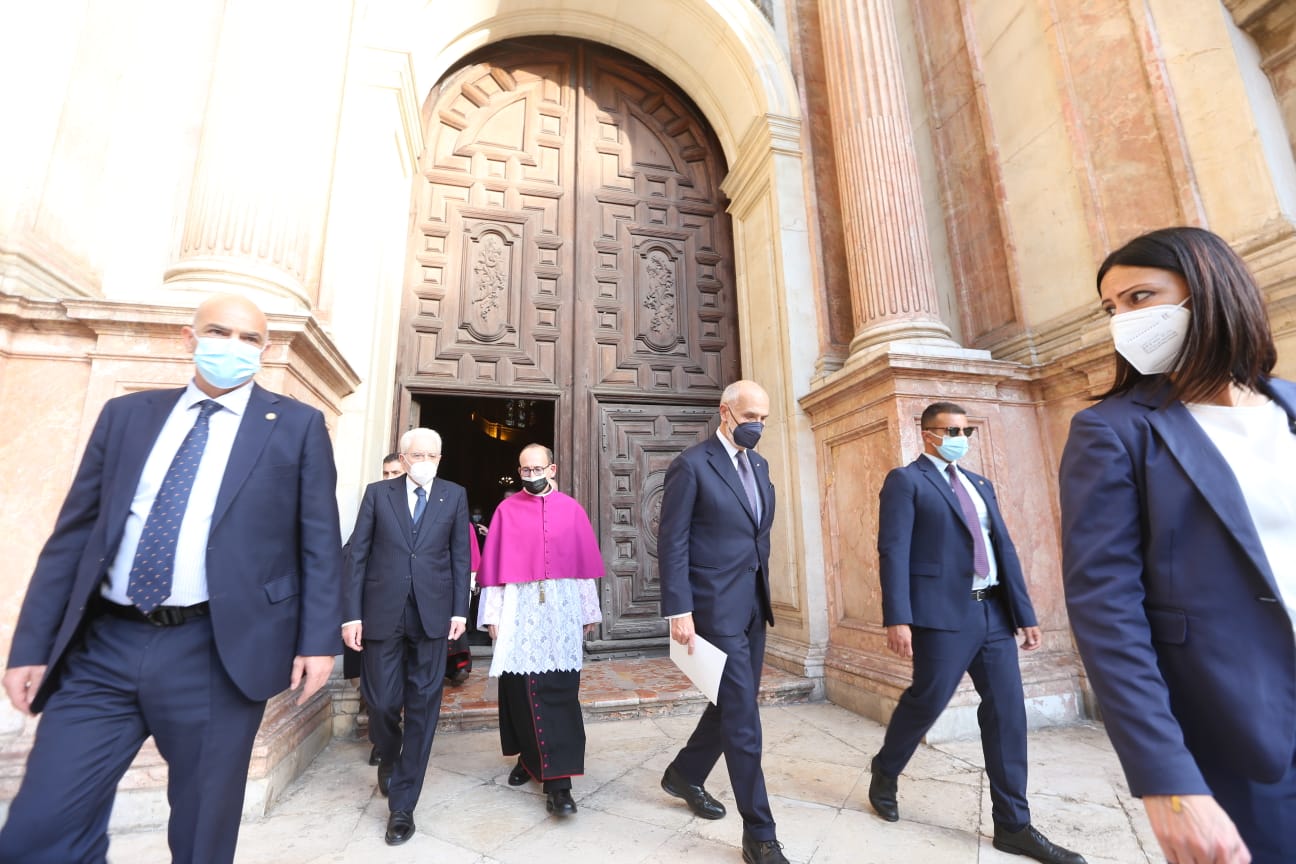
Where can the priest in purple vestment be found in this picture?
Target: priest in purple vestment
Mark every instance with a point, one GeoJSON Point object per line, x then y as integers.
{"type": "Point", "coordinates": [538, 601]}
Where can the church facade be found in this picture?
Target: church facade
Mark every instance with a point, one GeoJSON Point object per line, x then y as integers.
{"type": "Point", "coordinates": [574, 221]}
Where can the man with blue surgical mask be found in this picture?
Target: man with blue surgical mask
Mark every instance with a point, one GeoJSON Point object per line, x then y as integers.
{"type": "Point", "coordinates": [953, 597]}
{"type": "Point", "coordinates": [192, 574]}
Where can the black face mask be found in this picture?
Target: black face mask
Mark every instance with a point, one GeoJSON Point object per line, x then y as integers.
{"type": "Point", "coordinates": [536, 485]}
{"type": "Point", "coordinates": [748, 434]}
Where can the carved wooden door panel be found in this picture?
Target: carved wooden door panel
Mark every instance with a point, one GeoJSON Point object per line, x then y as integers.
{"type": "Point", "coordinates": [571, 242]}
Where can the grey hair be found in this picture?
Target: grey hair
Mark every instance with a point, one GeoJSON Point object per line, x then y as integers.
{"type": "Point", "coordinates": [410, 433]}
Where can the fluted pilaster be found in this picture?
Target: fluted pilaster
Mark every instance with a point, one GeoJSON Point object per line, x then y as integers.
{"type": "Point", "coordinates": [893, 290]}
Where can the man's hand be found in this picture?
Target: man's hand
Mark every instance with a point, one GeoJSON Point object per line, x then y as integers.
{"type": "Point", "coordinates": [900, 640]}
{"type": "Point", "coordinates": [590, 629]}
{"type": "Point", "coordinates": [1194, 829]}
{"type": "Point", "coordinates": [20, 683]}
{"type": "Point", "coordinates": [311, 673]}
{"type": "Point", "coordinates": [1031, 638]}
{"type": "Point", "coordinates": [353, 636]}
{"type": "Point", "coordinates": [682, 630]}
{"type": "Point", "coordinates": [456, 630]}
{"type": "Point", "coordinates": [493, 631]}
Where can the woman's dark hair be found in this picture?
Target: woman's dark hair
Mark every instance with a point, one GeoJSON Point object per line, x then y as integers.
{"type": "Point", "coordinates": [1228, 341]}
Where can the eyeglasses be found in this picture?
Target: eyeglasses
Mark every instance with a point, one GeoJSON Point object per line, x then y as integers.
{"type": "Point", "coordinates": [422, 457]}
{"type": "Point", "coordinates": [952, 431]}
{"type": "Point", "coordinates": [534, 472]}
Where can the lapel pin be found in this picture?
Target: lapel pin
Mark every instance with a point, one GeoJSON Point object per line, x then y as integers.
{"type": "Point", "coordinates": [271, 415]}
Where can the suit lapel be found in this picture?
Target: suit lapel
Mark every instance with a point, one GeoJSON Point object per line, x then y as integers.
{"type": "Point", "coordinates": [718, 456]}
{"type": "Point", "coordinates": [253, 432]}
{"type": "Point", "coordinates": [435, 501]}
{"type": "Point", "coordinates": [398, 498]}
{"type": "Point", "coordinates": [142, 430]}
{"type": "Point", "coordinates": [1206, 469]}
{"type": "Point", "coordinates": [942, 484]}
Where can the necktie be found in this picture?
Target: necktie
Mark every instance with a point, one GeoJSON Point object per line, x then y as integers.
{"type": "Point", "coordinates": [980, 562]}
{"type": "Point", "coordinates": [419, 505]}
{"type": "Point", "coordinates": [749, 483]}
{"type": "Point", "coordinates": [154, 565]}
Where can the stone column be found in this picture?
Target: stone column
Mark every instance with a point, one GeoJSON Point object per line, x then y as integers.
{"type": "Point", "coordinates": [258, 204]}
{"type": "Point", "coordinates": [893, 289]}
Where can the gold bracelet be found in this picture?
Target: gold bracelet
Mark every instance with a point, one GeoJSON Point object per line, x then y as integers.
{"type": "Point", "coordinates": [1176, 806]}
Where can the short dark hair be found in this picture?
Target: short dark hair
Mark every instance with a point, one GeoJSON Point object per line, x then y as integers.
{"type": "Point", "coordinates": [391, 457]}
{"type": "Point", "coordinates": [1229, 340]}
{"type": "Point", "coordinates": [935, 409]}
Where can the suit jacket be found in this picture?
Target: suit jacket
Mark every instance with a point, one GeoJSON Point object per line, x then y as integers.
{"type": "Point", "coordinates": [711, 551]}
{"type": "Point", "coordinates": [388, 557]}
{"type": "Point", "coordinates": [925, 551]}
{"type": "Point", "coordinates": [1174, 605]}
{"type": "Point", "coordinates": [272, 559]}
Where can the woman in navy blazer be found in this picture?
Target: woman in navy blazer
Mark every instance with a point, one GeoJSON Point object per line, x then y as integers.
{"type": "Point", "coordinates": [1174, 501]}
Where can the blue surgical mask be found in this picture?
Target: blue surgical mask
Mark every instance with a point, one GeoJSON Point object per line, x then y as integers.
{"type": "Point", "coordinates": [748, 434]}
{"type": "Point", "coordinates": [226, 363]}
{"type": "Point", "coordinates": [953, 448]}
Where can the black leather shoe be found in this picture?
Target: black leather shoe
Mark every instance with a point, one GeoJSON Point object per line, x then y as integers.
{"type": "Point", "coordinates": [375, 758]}
{"type": "Point", "coordinates": [882, 794]}
{"type": "Point", "coordinates": [699, 800]}
{"type": "Point", "coordinates": [400, 827]}
{"type": "Point", "coordinates": [459, 678]}
{"type": "Point", "coordinates": [384, 776]}
{"type": "Point", "coordinates": [763, 851]}
{"type": "Point", "coordinates": [519, 775]}
{"type": "Point", "coordinates": [560, 802]}
{"type": "Point", "coordinates": [1033, 844]}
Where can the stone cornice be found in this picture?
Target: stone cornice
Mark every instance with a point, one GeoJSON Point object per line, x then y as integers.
{"type": "Point", "coordinates": [769, 135]}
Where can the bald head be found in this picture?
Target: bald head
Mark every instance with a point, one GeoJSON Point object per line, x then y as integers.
{"type": "Point", "coordinates": [742, 402]}
{"type": "Point", "coordinates": [232, 317]}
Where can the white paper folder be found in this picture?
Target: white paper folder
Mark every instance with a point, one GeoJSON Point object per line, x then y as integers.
{"type": "Point", "coordinates": [703, 667]}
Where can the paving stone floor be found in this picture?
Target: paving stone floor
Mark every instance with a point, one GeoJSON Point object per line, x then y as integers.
{"type": "Point", "coordinates": [816, 764]}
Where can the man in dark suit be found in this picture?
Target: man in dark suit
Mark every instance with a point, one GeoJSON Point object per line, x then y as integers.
{"type": "Point", "coordinates": [953, 596]}
{"type": "Point", "coordinates": [713, 553]}
{"type": "Point", "coordinates": [406, 594]}
{"type": "Point", "coordinates": [192, 574]}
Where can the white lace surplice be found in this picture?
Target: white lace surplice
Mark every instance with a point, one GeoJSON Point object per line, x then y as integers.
{"type": "Point", "coordinates": [534, 636]}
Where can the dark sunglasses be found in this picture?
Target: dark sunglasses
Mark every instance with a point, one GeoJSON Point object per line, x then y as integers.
{"type": "Point", "coordinates": [952, 431]}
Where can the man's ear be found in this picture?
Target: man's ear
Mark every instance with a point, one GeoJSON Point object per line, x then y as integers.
{"type": "Point", "coordinates": [190, 338]}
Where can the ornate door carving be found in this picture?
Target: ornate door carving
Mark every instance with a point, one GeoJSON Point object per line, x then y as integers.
{"type": "Point", "coordinates": [570, 241]}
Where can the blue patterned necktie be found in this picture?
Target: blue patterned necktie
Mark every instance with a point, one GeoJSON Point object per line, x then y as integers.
{"type": "Point", "coordinates": [419, 505]}
{"type": "Point", "coordinates": [154, 564]}
{"type": "Point", "coordinates": [980, 560]}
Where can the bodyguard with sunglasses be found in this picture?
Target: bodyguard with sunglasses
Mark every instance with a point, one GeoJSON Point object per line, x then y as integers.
{"type": "Point", "coordinates": [953, 598]}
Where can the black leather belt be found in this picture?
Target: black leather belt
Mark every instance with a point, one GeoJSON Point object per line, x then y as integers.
{"type": "Point", "coordinates": [162, 616]}
{"type": "Point", "coordinates": [979, 594]}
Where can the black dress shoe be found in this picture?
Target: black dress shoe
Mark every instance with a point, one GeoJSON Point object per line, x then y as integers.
{"type": "Point", "coordinates": [699, 800]}
{"type": "Point", "coordinates": [882, 794]}
{"type": "Point", "coordinates": [459, 678]}
{"type": "Point", "coordinates": [1033, 844]}
{"type": "Point", "coordinates": [560, 803]}
{"type": "Point", "coordinates": [400, 827]}
{"type": "Point", "coordinates": [763, 851]}
{"type": "Point", "coordinates": [519, 776]}
{"type": "Point", "coordinates": [384, 776]}
{"type": "Point", "coordinates": [375, 758]}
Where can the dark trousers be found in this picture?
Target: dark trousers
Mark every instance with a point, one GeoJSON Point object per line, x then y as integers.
{"type": "Point", "coordinates": [1264, 813]}
{"type": "Point", "coordinates": [126, 681]}
{"type": "Point", "coordinates": [540, 721]}
{"type": "Point", "coordinates": [733, 727]}
{"type": "Point", "coordinates": [986, 649]}
{"type": "Point", "coordinates": [404, 672]}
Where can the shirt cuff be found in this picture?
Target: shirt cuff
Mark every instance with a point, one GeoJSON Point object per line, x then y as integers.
{"type": "Point", "coordinates": [461, 619]}
{"type": "Point", "coordinates": [679, 615]}
{"type": "Point", "coordinates": [349, 623]}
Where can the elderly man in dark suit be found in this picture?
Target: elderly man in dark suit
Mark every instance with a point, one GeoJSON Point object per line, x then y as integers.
{"type": "Point", "coordinates": [713, 553]}
{"type": "Point", "coordinates": [406, 596]}
{"type": "Point", "coordinates": [192, 574]}
{"type": "Point", "coordinates": [953, 595]}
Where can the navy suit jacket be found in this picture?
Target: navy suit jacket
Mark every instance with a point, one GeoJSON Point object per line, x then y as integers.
{"type": "Point", "coordinates": [711, 551]}
{"type": "Point", "coordinates": [1173, 603]}
{"type": "Point", "coordinates": [925, 551]}
{"type": "Point", "coordinates": [387, 555]}
{"type": "Point", "coordinates": [273, 553]}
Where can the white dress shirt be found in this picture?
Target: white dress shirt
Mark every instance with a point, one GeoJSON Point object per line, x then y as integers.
{"type": "Point", "coordinates": [983, 518]}
{"type": "Point", "coordinates": [189, 579]}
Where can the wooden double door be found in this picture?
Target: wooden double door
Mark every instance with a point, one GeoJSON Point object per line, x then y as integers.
{"type": "Point", "coordinates": [570, 243]}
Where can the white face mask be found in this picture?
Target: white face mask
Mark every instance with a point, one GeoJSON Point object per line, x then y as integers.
{"type": "Point", "coordinates": [1150, 338]}
{"type": "Point", "coordinates": [422, 472]}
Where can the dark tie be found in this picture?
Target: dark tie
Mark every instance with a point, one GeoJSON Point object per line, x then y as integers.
{"type": "Point", "coordinates": [419, 505]}
{"type": "Point", "coordinates": [749, 483]}
{"type": "Point", "coordinates": [154, 564]}
{"type": "Point", "coordinates": [980, 563]}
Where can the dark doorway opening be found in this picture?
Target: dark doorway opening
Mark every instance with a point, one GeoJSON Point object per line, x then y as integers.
{"type": "Point", "coordinates": [481, 438]}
